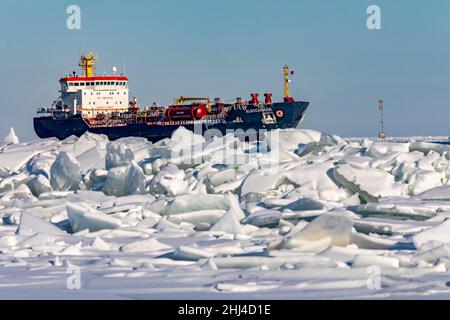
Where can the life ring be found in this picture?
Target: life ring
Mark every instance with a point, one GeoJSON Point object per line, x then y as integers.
{"type": "Point", "coordinates": [279, 113]}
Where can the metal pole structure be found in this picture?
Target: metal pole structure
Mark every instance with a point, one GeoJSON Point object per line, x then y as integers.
{"type": "Point", "coordinates": [381, 135]}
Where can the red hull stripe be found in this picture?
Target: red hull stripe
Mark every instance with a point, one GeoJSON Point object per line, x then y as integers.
{"type": "Point", "coordinates": [78, 79]}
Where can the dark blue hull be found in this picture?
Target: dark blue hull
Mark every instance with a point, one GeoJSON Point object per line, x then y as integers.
{"type": "Point", "coordinates": [243, 120]}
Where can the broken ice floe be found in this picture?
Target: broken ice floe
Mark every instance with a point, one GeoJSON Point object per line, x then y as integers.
{"type": "Point", "coordinates": [302, 201]}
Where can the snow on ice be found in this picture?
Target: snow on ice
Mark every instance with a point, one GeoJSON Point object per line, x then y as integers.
{"type": "Point", "coordinates": [302, 215]}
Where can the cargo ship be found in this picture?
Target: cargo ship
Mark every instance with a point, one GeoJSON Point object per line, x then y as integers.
{"type": "Point", "coordinates": [101, 104]}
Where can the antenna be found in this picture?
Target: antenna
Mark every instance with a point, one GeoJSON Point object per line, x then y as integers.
{"type": "Point", "coordinates": [381, 135]}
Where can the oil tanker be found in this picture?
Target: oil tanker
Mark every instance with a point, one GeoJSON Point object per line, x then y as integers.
{"type": "Point", "coordinates": [101, 104]}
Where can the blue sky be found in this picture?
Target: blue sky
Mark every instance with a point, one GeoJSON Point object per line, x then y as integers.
{"type": "Point", "coordinates": [229, 48]}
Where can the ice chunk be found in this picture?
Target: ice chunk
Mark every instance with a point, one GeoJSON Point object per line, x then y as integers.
{"type": "Point", "coordinates": [36, 240]}
{"type": "Point", "coordinates": [438, 193]}
{"type": "Point", "coordinates": [30, 225]}
{"type": "Point", "coordinates": [115, 183]}
{"type": "Point", "coordinates": [118, 155]}
{"type": "Point", "coordinates": [12, 182]}
{"type": "Point", "coordinates": [371, 184]}
{"type": "Point", "coordinates": [198, 217]}
{"type": "Point", "coordinates": [259, 182]}
{"type": "Point", "coordinates": [381, 149]}
{"type": "Point", "coordinates": [425, 180]}
{"type": "Point", "coordinates": [95, 179]}
{"type": "Point", "coordinates": [123, 151]}
{"type": "Point", "coordinates": [336, 227]}
{"type": "Point", "coordinates": [234, 206]}
{"type": "Point", "coordinates": [21, 192]}
{"type": "Point", "coordinates": [347, 254]}
{"type": "Point", "coordinates": [14, 157]}
{"type": "Point", "coordinates": [65, 173]}
{"type": "Point", "coordinates": [364, 261]}
{"type": "Point", "coordinates": [327, 144]}
{"type": "Point", "coordinates": [82, 217]}
{"type": "Point", "coordinates": [433, 254]}
{"type": "Point", "coordinates": [364, 241]}
{"type": "Point", "coordinates": [241, 262]}
{"type": "Point", "coordinates": [125, 180]}
{"type": "Point", "coordinates": [147, 245]}
{"type": "Point", "coordinates": [9, 241]}
{"type": "Point", "coordinates": [184, 137]}
{"type": "Point", "coordinates": [426, 147]}
{"type": "Point", "coordinates": [4, 172]}
{"type": "Point", "coordinates": [170, 181]}
{"type": "Point", "coordinates": [93, 158]}
{"type": "Point", "coordinates": [310, 246]}
{"type": "Point", "coordinates": [100, 244]}
{"type": "Point", "coordinates": [196, 202]}
{"type": "Point", "coordinates": [11, 137]}
{"type": "Point", "coordinates": [317, 179]}
{"type": "Point", "coordinates": [70, 251]}
{"type": "Point", "coordinates": [39, 184]}
{"type": "Point", "coordinates": [41, 164]}
{"type": "Point", "coordinates": [439, 233]}
{"type": "Point", "coordinates": [190, 253]}
{"type": "Point", "coordinates": [225, 176]}
{"type": "Point", "coordinates": [408, 207]}
{"type": "Point", "coordinates": [263, 218]}
{"type": "Point", "coordinates": [135, 182]}
{"type": "Point", "coordinates": [87, 141]}
{"type": "Point", "coordinates": [304, 204]}
{"type": "Point", "coordinates": [229, 224]}
{"type": "Point", "coordinates": [290, 139]}
{"type": "Point", "coordinates": [186, 148]}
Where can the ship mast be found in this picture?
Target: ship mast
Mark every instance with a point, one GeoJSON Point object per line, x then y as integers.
{"type": "Point", "coordinates": [286, 74]}
{"type": "Point", "coordinates": [87, 64]}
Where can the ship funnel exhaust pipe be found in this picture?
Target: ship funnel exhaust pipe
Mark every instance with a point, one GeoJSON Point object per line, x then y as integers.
{"type": "Point", "coordinates": [75, 102]}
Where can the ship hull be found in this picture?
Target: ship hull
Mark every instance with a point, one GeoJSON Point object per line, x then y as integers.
{"type": "Point", "coordinates": [243, 121]}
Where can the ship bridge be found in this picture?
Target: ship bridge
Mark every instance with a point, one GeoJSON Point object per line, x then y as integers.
{"type": "Point", "coordinates": [75, 83]}
{"type": "Point", "coordinates": [90, 94]}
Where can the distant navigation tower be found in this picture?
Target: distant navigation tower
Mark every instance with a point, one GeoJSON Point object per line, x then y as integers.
{"type": "Point", "coordinates": [381, 135]}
